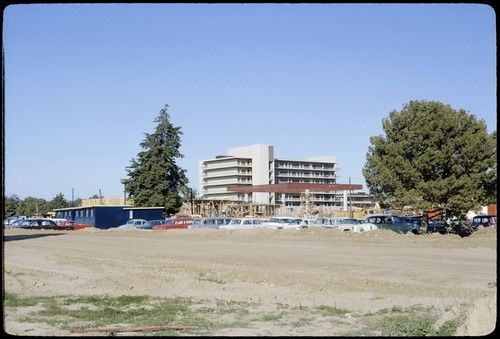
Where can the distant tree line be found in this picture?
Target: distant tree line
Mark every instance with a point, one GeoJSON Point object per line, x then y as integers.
{"type": "Point", "coordinates": [31, 206]}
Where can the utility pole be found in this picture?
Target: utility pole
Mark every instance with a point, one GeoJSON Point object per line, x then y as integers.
{"type": "Point", "coordinates": [192, 203]}
{"type": "Point", "coordinates": [350, 199]}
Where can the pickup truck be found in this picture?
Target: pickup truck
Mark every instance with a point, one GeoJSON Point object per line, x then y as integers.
{"type": "Point", "coordinates": [489, 220]}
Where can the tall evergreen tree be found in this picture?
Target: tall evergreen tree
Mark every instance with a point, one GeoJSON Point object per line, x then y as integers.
{"type": "Point", "coordinates": [154, 178]}
{"type": "Point", "coordinates": [59, 202]}
{"type": "Point", "coordinates": [432, 156]}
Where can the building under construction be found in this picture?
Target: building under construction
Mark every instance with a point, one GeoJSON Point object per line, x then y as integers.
{"type": "Point", "coordinates": [308, 206]}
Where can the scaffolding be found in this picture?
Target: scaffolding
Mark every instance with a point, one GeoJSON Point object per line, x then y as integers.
{"type": "Point", "coordinates": [206, 207]}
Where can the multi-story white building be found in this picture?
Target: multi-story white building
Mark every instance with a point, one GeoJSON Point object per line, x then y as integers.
{"type": "Point", "coordinates": [241, 166]}
{"type": "Point", "coordinates": [256, 165]}
{"type": "Point", "coordinates": [320, 170]}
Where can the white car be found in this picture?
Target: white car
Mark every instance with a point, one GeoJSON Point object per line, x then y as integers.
{"type": "Point", "coordinates": [242, 223]}
{"type": "Point", "coordinates": [210, 222]}
{"type": "Point", "coordinates": [134, 223]}
{"type": "Point", "coordinates": [298, 223]}
{"type": "Point", "coordinates": [325, 222]}
{"type": "Point", "coordinates": [278, 223]}
{"type": "Point", "coordinates": [356, 226]}
{"type": "Point", "coordinates": [305, 222]}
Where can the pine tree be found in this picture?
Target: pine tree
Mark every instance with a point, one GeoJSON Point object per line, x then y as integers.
{"type": "Point", "coordinates": [154, 178]}
{"type": "Point", "coordinates": [432, 156]}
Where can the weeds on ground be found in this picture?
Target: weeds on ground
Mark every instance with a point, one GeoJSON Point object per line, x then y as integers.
{"type": "Point", "coordinates": [204, 318]}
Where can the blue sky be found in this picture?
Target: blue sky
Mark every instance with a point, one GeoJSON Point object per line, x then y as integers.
{"type": "Point", "coordinates": [84, 82]}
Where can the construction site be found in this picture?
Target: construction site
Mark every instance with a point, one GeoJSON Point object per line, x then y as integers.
{"type": "Point", "coordinates": [205, 208]}
{"type": "Point", "coordinates": [309, 208]}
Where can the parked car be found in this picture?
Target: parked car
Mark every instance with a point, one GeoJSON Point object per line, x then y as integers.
{"type": "Point", "coordinates": [305, 222]}
{"type": "Point", "coordinates": [417, 226]}
{"type": "Point", "coordinates": [39, 223]}
{"type": "Point", "coordinates": [152, 223]}
{"type": "Point", "coordinates": [210, 222]}
{"type": "Point", "coordinates": [463, 228]}
{"type": "Point", "coordinates": [278, 222]}
{"type": "Point", "coordinates": [299, 223]}
{"type": "Point", "coordinates": [393, 222]}
{"type": "Point", "coordinates": [134, 223]}
{"type": "Point", "coordinates": [326, 222]}
{"type": "Point", "coordinates": [355, 225]}
{"type": "Point", "coordinates": [63, 221]}
{"type": "Point", "coordinates": [295, 223]}
{"type": "Point", "coordinates": [15, 223]}
{"type": "Point", "coordinates": [489, 220]}
{"type": "Point", "coordinates": [350, 221]}
{"type": "Point", "coordinates": [437, 227]}
{"type": "Point", "coordinates": [174, 223]}
{"type": "Point", "coordinates": [242, 223]}
{"type": "Point", "coordinates": [10, 220]}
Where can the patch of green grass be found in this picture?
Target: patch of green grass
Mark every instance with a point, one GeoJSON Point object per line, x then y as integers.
{"type": "Point", "coordinates": [96, 312]}
{"type": "Point", "coordinates": [403, 325]}
{"type": "Point", "coordinates": [331, 311]}
{"type": "Point", "coordinates": [303, 321]}
{"type": "Point", "coordinates": [10, 300]}
{"type": "Point", "coordinates": [448, 328]}
{"type": "Point", "coordinates": [207, 316]}
{"type": "Point", "coordinates": [272, 316]}
{"type": "Point", "coordinates": [413, 321]}
{"type": "Point", "coordinates": [203, 277]}
{"type": "Point", "coordinates": [233, 307]}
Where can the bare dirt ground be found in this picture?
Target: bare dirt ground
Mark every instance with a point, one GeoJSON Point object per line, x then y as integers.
{"type": "Point", "coordinates": [362, 272]}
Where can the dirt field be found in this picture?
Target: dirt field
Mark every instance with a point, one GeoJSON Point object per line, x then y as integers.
{"type": "Point", "coordinates": [362, 272]}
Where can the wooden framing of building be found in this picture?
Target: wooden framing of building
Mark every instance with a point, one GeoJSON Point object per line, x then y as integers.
{"type": "Point", "coordinates": [296, 187]}
{"type": "Point", "coordinates": [216, 207]}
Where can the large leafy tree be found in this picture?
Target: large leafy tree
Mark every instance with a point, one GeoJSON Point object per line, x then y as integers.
{"type": "Point", "coordinates": [432, 156]}
{"type": "Point", "coordinates": [154, 178]}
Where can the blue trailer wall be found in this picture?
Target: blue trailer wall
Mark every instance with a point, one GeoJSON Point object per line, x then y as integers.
{"type": "Point", "coordinates": [105, 217]}
{"type": "Point", "coordinates": [144, 213]}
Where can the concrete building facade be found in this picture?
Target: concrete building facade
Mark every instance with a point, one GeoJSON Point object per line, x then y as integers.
{"type": "Point", "coordinates": [241, 166]}
{"type": "Point", "coordinates": [256, 165]}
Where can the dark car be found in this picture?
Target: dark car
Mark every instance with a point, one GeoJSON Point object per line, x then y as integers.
{"type": "Point", "coordinates": [39, 223]}
{"type": "Point", "coordinates": [415, 224]}
{"type": "Point", "coordinates": [437, 227]}
{"type": "Point", "coordinates": [393, 223]}
{"type": "Point", "coordinates": [484, 220]}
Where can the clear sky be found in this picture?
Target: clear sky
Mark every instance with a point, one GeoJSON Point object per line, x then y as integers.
{"type": "Point", "coordinates": [84, 82]}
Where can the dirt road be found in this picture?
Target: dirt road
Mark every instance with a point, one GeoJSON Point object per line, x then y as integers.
{"type": "Point", "coordinates": [362, 272]}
